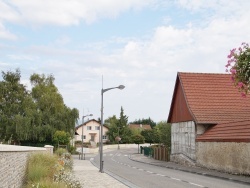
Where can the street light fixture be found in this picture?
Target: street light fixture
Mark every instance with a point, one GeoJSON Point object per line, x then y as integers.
{"type": "Point", "coordinates": [101, 142]}
{"type": "Point", "coordinates": [82, 131]}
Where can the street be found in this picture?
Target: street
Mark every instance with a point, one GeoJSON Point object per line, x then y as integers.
{"type": "Point", "coordinates": [137, 174]}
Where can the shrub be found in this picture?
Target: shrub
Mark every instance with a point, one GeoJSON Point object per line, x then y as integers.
{"type": "Point", "coordinates": [47, 171]}
{"type": "Point", "coordinates": [238, 65]}
{"type": "Point", "coordinates": [60, 151]}
{"type": "Point", "coordinates": [41, 166]}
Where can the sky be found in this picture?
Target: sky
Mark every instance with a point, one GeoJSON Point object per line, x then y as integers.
{"type": "Point", "coordinates": [140, 44]}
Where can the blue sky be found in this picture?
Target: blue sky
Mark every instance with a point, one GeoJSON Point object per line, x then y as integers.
{"type": "Point", "coordinates": [141, 44]}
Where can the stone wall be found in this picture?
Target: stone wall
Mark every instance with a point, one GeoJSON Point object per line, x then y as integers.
{"type": "Point", "coordinates": [183, 139]}
{"type": "Point", "coordinates": [231, 157]}
{"type": "Point", "coordinates": [13, 163]}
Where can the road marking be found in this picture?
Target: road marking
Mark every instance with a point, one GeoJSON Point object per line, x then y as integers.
{"type": "Point", "coordinates": [160, 175]}
{"type": "Point", "coordinates": [184, 181]}
{"type": "Point", "coordinates": [175, 179]}
{"type": "Point", "coordinates": [195, 184]}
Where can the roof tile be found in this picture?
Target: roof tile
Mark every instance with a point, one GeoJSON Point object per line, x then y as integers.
{"type": "Point", "coordinates": [213, 99]}
{"type": "Point", "coordinates": [237, 131]}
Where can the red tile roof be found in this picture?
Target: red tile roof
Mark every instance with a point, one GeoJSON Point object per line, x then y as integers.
{"type": "Point", "coordinates": [212, 98]}
{"type": "Point", "coordinates": [227, 132]}
{"type": "Point", "coordinates": [138, 126]}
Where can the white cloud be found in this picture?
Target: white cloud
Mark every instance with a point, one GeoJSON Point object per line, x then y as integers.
{"type": "Point", "coordinates": [65, 12]}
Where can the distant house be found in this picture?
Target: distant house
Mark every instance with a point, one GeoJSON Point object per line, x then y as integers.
{"type": "Point", "coordinates": [91, 131]}
{"type": "Point", "coordinates": [139, 126]}
{"type": "Point", "coordinates": [200, 101]}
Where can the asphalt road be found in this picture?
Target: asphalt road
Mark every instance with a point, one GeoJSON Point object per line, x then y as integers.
{"type": "Point", "coordinates": [136, 174]}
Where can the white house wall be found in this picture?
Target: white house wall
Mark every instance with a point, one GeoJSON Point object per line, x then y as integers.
{"type": "Point", "coordinates": [183, 139]}
{"type": "Point", "coordinates": [88, 133]}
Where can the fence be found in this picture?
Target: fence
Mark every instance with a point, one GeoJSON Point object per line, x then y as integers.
{"type": "Point", "coordinates": [157, 153]}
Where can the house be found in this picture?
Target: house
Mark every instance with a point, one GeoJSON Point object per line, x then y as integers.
{"type": "Point", "coordinates": [200, 101]}
{"type": "Point", "coordinates": [139, 126]}
{"type": "Point", "coordinates": [91, 131]}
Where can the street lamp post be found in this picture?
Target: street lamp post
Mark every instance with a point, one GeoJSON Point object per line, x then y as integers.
{"type": "Point", "coordinates": [82, 131]}
{"type": "Point", "coordinates": [118, 138]}
{"type": "Point", "coordinates": [101, 142]}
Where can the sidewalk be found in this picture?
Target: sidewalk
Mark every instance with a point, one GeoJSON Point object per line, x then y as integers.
{"type": "Point", "coordinates": [89, 175]}
{"type": "Point", "coordinates": [196, 170]}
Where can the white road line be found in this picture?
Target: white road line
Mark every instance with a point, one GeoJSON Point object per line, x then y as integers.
{"type": "Point", "coordinates": [195, 184]}
{"type": "Point", "coordinates": [160, 175]}
{"type": "Point", "coordinates": [118, 154]}
{"type": "Point", "coordinates": [175, 179]}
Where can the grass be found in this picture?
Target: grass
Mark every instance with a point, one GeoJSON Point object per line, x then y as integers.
{"type": "Point", "coordinates": [41, 166]}
{"type": "Point", "coordinates": [50, 171]}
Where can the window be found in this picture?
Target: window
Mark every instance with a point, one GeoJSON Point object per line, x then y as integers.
{"type": "Point", "coordinates": [88, 127]}
{"type": "Point", "coordinates": [97, 128]}
{"type": "Point", "coordinates": [84, 136]}
{"type": "Point", "coordinates": [104, 137]}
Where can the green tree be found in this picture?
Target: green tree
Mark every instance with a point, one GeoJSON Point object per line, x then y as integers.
{"type": "Point", "coordinates": [111, 121]}
{"type": "Point", "coordinates": [119, 127]}
{"type": "Point", "coordinates": [16, 108]}
{"type": "Point", "coordinates": [53, 113]}
{"type": "Point", "coordinates": [138, 139]}
{"type": "Point", "coordinates": [164, 130]}
{"type": "Point", "coordinates": [149, 135]}
{"type": "Point", "coordinates": [123, 120]}
{"type": "Point", "coordinates": [61, 137]}
{"type": "Point", "coordinates": [124, 132]}
{"type": "Point", "coordinates": [33, 116]}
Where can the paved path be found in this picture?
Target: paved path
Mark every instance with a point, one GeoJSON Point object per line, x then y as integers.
{"type": "Point", "coordinates": [89, 176]}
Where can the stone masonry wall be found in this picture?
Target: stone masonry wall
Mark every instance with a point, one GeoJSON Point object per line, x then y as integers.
{"type": "Point", "coordinates": [183, 139]}
{"type": "Point", "coordinates": [13, 163]}
{"type": "Point", "coordinates": [231, 157]}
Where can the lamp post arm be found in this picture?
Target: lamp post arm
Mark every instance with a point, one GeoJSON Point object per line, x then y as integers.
{"type": "Point", "coordinates": [119, 87]}
{"type": "Point", "coordinates": [104, 90]}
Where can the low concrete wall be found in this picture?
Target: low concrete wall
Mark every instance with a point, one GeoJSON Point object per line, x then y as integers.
{"type": "Point", "coordinates": [13, 163]}
{"type": "Point", "coordinates": [228, 157]}
{"type": "Point", "coordinates": [105, 147]}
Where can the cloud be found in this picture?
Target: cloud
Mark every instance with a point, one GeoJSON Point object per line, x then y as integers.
{"type": "Point", "coordinates": [65, 12]}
